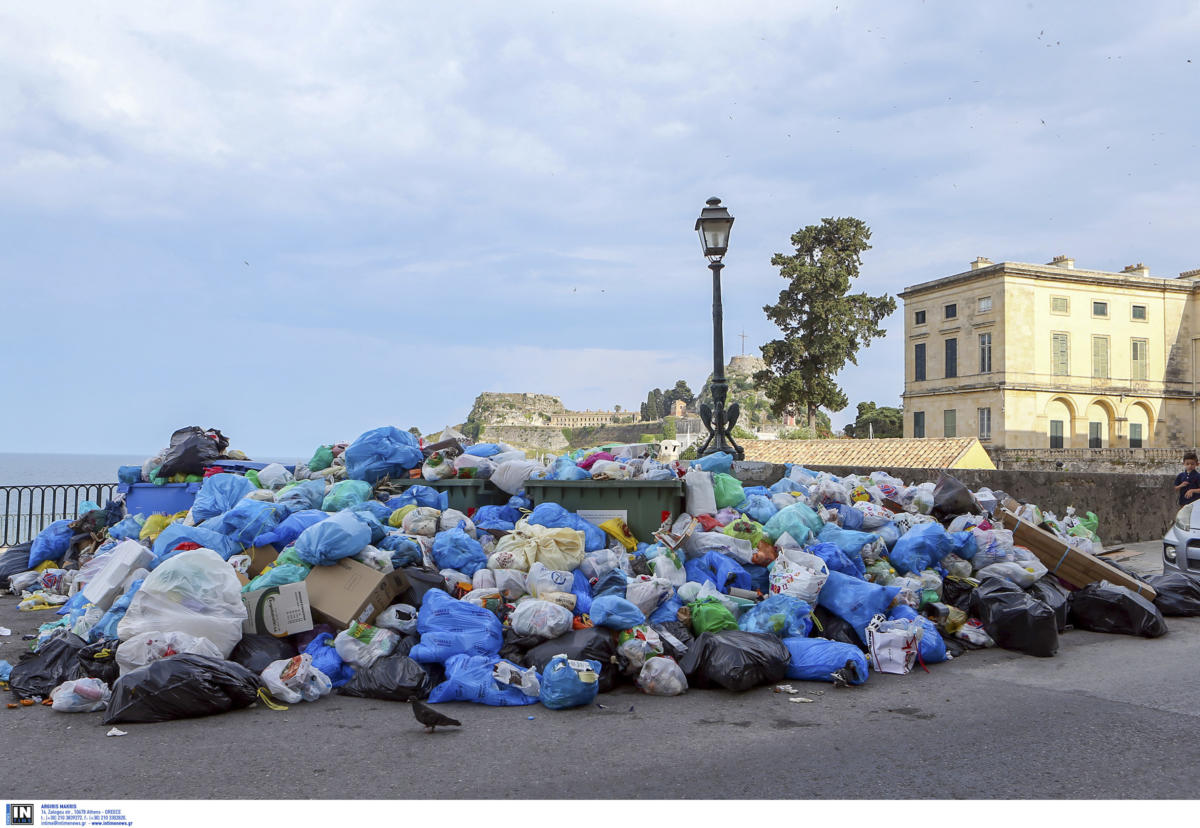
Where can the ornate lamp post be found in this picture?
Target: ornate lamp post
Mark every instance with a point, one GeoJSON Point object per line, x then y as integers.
{"type": "Point", "coordinates": [713, 226]}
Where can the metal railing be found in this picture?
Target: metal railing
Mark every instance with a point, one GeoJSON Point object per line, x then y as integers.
{"type": "Point", "coordinates": [27, 510]}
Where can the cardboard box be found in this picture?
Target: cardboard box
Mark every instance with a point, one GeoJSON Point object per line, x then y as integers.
{"type": "Point", "coordinates": [260, 558]}
{"type": "Point", "coordinates": [105, 586]}
{"type": "Point", "coordinates": [351, 591]}
{"type": "Point", "coordinates": [278, 610]}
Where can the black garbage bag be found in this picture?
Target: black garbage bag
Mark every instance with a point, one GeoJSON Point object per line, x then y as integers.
{"type": "Point", "coordinates": [1108, 608]}
{"type": "Point", "coordinates": [391, 678]}
{"type": "Point", "coordinates": [957, 592]}
{"type": "Point", "coordinates": [191, 448]}
{"type": "Point", "coordinates": [835, 628]}
{"type": "Point", "coordinates": [99, 661]}
{"type": "Point", "coordinates": [735, 660]}
{"type": "Point", "coordinates": [405, 644]}
{"type": "Point", "coordinates": [39, 673]}
{"type": "Point", "coordinates": [678, 631]}
{"type": "Point", "coordinates": [1014, 619]}
{"type": "Point", "coordinates": [14, 562]}
{"type": "Point", "coordinates": [257, 650]}
{"type": "Point", "coordinates": [516, 645]}
{"type": "Point", "coordinates": [951, 499]}
{"type": "Point", "coordinates": [1050, 592]}
{"type": "Point", "coordinates": [181, 687]}
{"type": "Point", "coordinates": [1178, 593]}
{"type": "Point", "coordinates": [594, 643]}
{"type": "Point", "coordinates": [420, 581]}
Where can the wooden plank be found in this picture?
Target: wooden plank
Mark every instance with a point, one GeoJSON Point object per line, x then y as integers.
{"type": "Point", "coordinates": [1076, 568]}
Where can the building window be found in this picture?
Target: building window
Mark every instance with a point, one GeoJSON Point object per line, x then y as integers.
{"type": "Point", "coordinates": [1060, 354]}
{"type": "Point", "coordinates": [1139, 313]}
{"type": "Point", "coordinates": [952, 311]}
{"type": "Point", "coordinates": [1135, 435]}
{"type": "Point", "coordinates": [951, 358]}
{"type": "Point", "coordinates": [1100, 310]}
{"type": "Point", "coordinates": [949, 423]}
{"type": "Point", "coordinates": [1100, 357]}
{"type": "Point", "coordinates": [1060, 305]}
{"type": "Point", "coordinates": [918, 423]}
{"type": "Point", "coordinates": [985, 424]}
{"type": "Point", "coordinates": [985, 353]}
{"type": "Point", "coordinates": [985, 304]}
{"type": "Point", "coordinates": [919, 318]}
{"type": "Point", "coordinates": [1094, 438]}
{"type": "Point", "coordinates": [1141, 347]}
{"type": "Point", "coordinates": [1056, 434]}
{"type": "Point", "coordinates": [919, 362]}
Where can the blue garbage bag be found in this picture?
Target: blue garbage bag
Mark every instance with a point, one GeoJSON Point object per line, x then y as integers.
{"type": "Point", "coordinates": [419, 495]}
{"type": "Point", "coordinates": [483, 450]}
{"type": "Point", "coordinates": [932, 648]}
{"type": "Point", "coordinates": [816, 659]}
{"type": "Point", "coordinates": [87, 506]}
{"type": "Point", "coordinates": [51, 544]}
{"type": "Point", "coordinates": [721, 461]}
{"type": "Point", "coordinates": [760, 577]}
{"type": "Point", "coordinates": [346, 495]}
{"type": "Point", "coordinates": [855, 601]}
{"type": "Point", "coordinates": [379, 510]}
{"type": "Point", "coordinates": [378, 530]}
{"type": "Point", "coordinates": [890, 533]}
{"type": "Point", "coordinates": [797, 520]}
{"type": "Point", "coordinates": [781, 615]}
{"type": "Point", "coordinates": [807, 474]}
{"type": "Point", "coordinates": [129, 474]}
{"type": "Point", "coordinates": [615, 612]}
{"type": "Point", "coordinates": [485, 517]}
{"type": "Point", "coordinates": [757, 490]}
{"type": "Point", "coordinates": [289, 528]}
{"type": "Point", "coordinates": [614, 582]}
{"type": "Point", "coordinates": [219, 494]}
{"type": "Point", "coordinates": [106, 627]}
{"type": "Point", "coordinates": [851, 518]}
{"type": "Point", "coordinates": [562, 687]}
{"type": "Point", "coordinates": [341, 535]}
{"type": "Point", "coordinates": [919, 548]}
{"type": "Point", "coordinates": [835, 558]}
{"type": "Point", "coordinates": [963, 544]}
{"type": "Point", "coordinates": [73, 603]}
{"type": "Point", "coordinates": [564, 468]}
{"type": "Point", "coordinates": [449, 627]}
{"type": "Point", "coordinates": [668, 610]}
{"type": "Point", "coordinates": [469, 678]}
{"type": "Point", "coordinates": [582, 590]}
{"type": "Point", "coordinates": [847, 540]}
{"type": "Point", "coordinates": [757, 507]}
{"type": "Point", "coordinates": [406, 551]}
{"type": "Point", "coordinates": [555, 516]}
{"type": "Point", "coordinates": [382, 452]}
{"type": "Point", "coordinates": [784, 486]}
{"type": "Point", "coordinates": [128, 527]}
{"type": "Point", "coordinates": [455, 549]}
{"type": "Point", "coordinates": [326, 659]}
{"type": "Point", "coordinates": [721, 569]}
{"type": "Point", "coordinates": [307, 494]}
{"type": "Point", "coordinates": [177, 533]}
{"type": "Point", "coordinates": [278, 576]}
{"type": "Point", "coordinates": [247, 520]}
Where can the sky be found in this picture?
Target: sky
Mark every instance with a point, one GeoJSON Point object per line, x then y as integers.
{"type": "Point", "coordinates": [299, 226]}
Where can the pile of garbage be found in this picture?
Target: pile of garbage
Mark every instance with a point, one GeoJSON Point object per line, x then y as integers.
{"type": "Point", "coordinates": [286, 584]}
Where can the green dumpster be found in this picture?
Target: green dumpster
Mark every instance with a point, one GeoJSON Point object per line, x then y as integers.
{"type": "Point", "coordinates": [465, 495]}
{"type": "Point", "coordinates": [643, 504]}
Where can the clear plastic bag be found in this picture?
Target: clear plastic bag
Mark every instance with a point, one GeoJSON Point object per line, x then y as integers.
{"type": "Point", "coordinates": [296, 679]}
{"type": "Point", "coordinates": [541, 618]}
{"type": "Point", "coordinates": [144, 648]}
{"type": "Point", "coordinates": [85, 695]}
{"type": "Point", "coordinates": [360, 644]}
{"type": "Point", "coordinates": [401, 618]}
{"type": "Point", "coordinates": [661, 676]}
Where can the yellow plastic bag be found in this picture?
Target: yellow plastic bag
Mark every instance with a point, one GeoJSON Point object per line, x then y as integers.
{"type": "Point", "coordinates": [155, 524]}
{"type": "Point", "coordinates": [619, 530]}
{"type": "Point", "coordinates": [396, 521]}
{"type": "Point", "coordinates": [529, 543]}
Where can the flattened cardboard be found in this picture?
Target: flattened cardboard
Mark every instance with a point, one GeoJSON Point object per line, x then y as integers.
{"type": "Point", "coordinates": [351, 591]}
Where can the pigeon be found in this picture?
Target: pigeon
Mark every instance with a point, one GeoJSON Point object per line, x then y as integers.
{"type": "Point", "coordinates": [429, 717]}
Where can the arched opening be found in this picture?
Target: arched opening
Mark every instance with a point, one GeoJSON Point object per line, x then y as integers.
{"type": "Point", "coordinates": [1060, 418]}
{"type": "Point", "coordinates": [1140, 425]}
{"type": "Point", "coordinates": [1100, 418]}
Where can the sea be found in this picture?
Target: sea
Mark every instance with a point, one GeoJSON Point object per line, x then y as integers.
{"type": "Point", "coordinates": [33, 469]}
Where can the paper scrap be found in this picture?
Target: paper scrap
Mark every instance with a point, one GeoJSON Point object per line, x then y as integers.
{"type": "Point", "coordinates": [116, 732]}
{"type": "Point", "coordinates": [800, 700]}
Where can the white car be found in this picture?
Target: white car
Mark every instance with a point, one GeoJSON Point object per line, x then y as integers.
{"type": "Point", "coordinates": [1181, 544]}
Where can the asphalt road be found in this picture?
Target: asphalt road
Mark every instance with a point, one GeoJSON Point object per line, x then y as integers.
{"type": "Point", "coordinates": [1108, 717]}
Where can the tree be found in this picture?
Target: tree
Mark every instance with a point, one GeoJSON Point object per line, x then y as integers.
{"type": "Point", "coordinates": [823, 324]}
{"type": "Point", "coordinates": [668, 429]}
{"type": "Point", "coordinates": [681, 391]}
{"type": "Point", "coordinates": [885, 421]}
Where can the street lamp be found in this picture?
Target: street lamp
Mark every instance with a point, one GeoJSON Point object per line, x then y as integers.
{"type": "Point", "coordinates": [713, 226]}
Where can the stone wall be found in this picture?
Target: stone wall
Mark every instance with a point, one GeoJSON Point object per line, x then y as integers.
{"type": "Point", "coordinates": [549, 439]}
{"type": "Point", "coordinates": [1106, 461]}
{"type": "Point", "coordinates": [1131, 507]}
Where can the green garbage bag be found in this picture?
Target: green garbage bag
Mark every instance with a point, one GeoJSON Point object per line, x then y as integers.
{"type": "Point", "coordinates": [1088, 527]}
{"type": "Point", "coordinates": [322, 458]}
{"type": "Point", "coordinates": [746, 529]}
{"type": "Point", "coordinates": [710, 615]}
{"type": "Point", "coordinates": [252, 476]}
{"type": "Point", "coordinates": [728, 490]}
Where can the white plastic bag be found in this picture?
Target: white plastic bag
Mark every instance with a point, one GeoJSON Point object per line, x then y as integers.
{"type": "Point", "coordinates": [377, 559]}
{"type": "Point", "coordinates": [668, 568]}
{"type": "Point", "coordinates": [483, 579]}
{"type": "Point", "coordinates": [401, 618]}
{"type": "Point", "coordinates": [451, 518]}
{"type": "Point", "coordinates": [510, 476]}
{"type": "Point", "coordinates": [274, 477]}
{"type": "Point", "coordinates": [541, 618]}
{"type": "Point", "coordinates": [542, 579]}
{"type": "Point", "coordinates": [505, 672]}
{"type": "Point", "coordinates": [512, 583]}
{"type": "Point", "coordinates": [893, 645]}
{"type": "Point", "coordinates": [701, 499]}
{"type": "Point", "coordinates": [597, 564]}
{"type": "Point", "coordinates": [143, 648]}
{"type": "Point", "coordinates": [361, 644]}
{"type": "Point", "coordinates": [85, 695]}
{"type": "Point", "coordinates": [422, 520]}
{"type": "Point", "coordinates": [661, 676]}
{"type": "Point", "coordinates": [1022, 574]}
{"type": "Point", "coordinates": [294, 679]}
{"type": "Point", "coordinates": [799, 574]}
{"type": "Point", "coordinates": [195, 592]}
{"type": "Point", "coordinates": [646, 593]}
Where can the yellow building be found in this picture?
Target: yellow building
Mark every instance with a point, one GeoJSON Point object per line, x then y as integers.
{"type": "Point", "coordinates": [882, 453]}
{"type": "Point", "coordinates": [1027, 356]}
